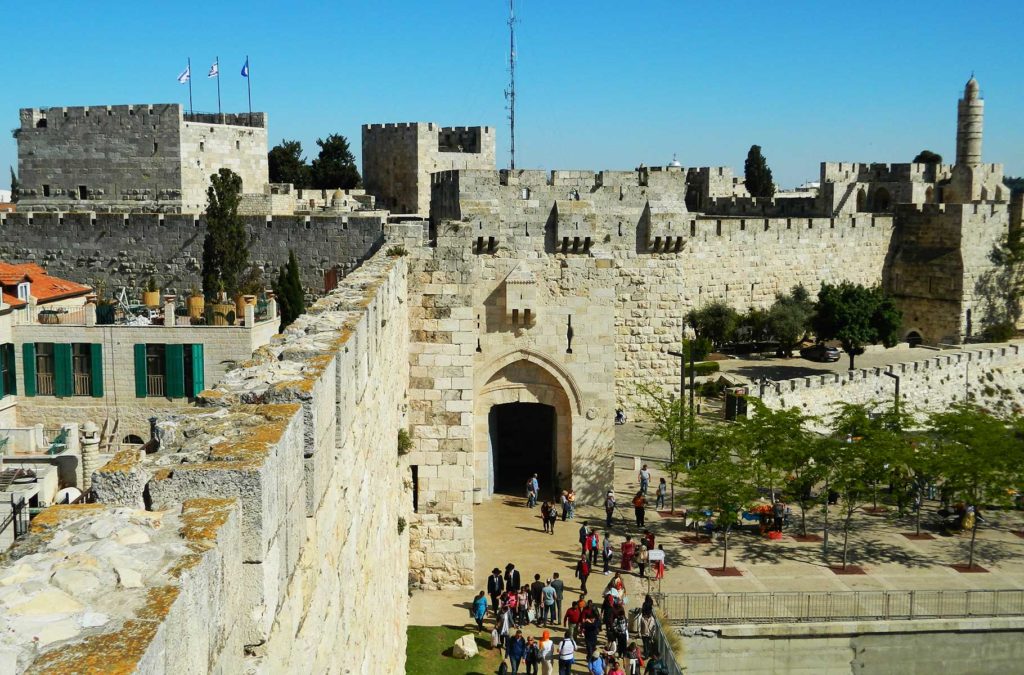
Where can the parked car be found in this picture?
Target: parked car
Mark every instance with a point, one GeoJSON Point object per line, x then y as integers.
{"type": "Point", "coordinates": [820, 352]}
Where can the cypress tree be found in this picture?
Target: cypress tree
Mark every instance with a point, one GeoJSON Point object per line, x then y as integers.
{"type": "Point", "coordinates": [757, 175]}
{"type": "Point", "coordinates": [14, 186]}
{"type": "Point", "coordinates": [291, 299]}
{"type": "Point", "coordinates": [225, 248]}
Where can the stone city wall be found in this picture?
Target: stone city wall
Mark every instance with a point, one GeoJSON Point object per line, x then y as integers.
{"type": "Point", "coordinates": [113, 249]}
{"type": "Point", "coordinates": [300, 444]}
{"type": "Point", "coordinates": [992, 377]}
{"type": "Point", "coordinates": [208, 148]}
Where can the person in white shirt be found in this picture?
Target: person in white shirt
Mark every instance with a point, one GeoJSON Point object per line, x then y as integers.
{"type": "Point", "coordinates": [566, 655]}
{"type": "Point", "coordinates": [547, 653]}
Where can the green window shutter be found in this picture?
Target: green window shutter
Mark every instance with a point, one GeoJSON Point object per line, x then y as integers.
{"type": "Point", "coordinates": [28, 355]}
{"type": "Point", "coordinates": [62, 369]}
{"type": "Point", "coordinates": [198, 378]}
{"type": "Point", "coordinates": [8, 363]}
{"type": "Point", "coordinates": [11, 386]}
{"type": "Point", "coordinates": [96, 361]}
{"type": "Point", "coordinates": [141, 387]}
{"type": "Point", "coordinates": [174, 362]}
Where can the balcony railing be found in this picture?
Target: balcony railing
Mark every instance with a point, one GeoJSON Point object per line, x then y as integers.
{"type": "Point", "coordinates": [44, 384]}
{"type": "Point", "coordinates": [798, 606]}
{"type": "Point", "coordinates": [155, 385]}
{"type": "Point", "coordinates": [83, 384]}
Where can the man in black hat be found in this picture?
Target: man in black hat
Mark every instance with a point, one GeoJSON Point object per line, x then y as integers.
{"type": "Point", "coordinates": [512, 582]}
{"type": "Point", "coordinates": [495, 586]}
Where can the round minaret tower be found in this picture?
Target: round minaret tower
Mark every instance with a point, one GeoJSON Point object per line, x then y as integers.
{"type": "Point", "coordinates": [969, 125]}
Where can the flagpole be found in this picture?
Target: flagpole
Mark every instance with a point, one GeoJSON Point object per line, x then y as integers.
{"type": "Point", "coordinates": [248, 85]}
{"type": "Point", "coordinates": [191, 110]}
{"type": "Point", "coordinates": [219, 115]}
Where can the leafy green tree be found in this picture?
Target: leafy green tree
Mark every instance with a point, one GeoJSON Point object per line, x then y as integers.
{"type": "Point", "coordinates": [667, 421]}
{"type": "Point", "coordinates": [845, 465]}
{"type": "Point", "coordinates": [1001, 289]}
{"type": "Point", "coordinates": [1015, 183]}
{"type": "Point", "coordinates": [928, 157]}
{"type": "Point", "coordinates": [14, 186]}
{"type": "Point", "coordinates": [757, 175]}
{"type": "Point", "coordinates": [226, 246]}
{"type": "Point", "coordinates": [291, 298]}
{"type": "Point", "coordinates": [753, 325]}
{"type": "Point", "coordinates": [287, 165]}
{"type": "Point", "coordinates": [773, 441]}
{"type": "Point", "coordinates": [722, 485]}
{"type": "Point", "coordinates": [882, 436]}
{"type": "Point", "coordinates": [857, 316]}
{"type": "Point", "coordinates": [335, 167]}
{"type": "Point", "coordinates": [979, 457]}
{"type": "Point", "coordinates": [716, 322]}
{"type": "Point", "coordinates": [789, 318]}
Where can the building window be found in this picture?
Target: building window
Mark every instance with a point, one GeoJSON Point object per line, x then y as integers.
{"type": "Point", "coordinates": [202, 146]}
{"type": "Point", "coordinates": [81, 368]}
{"type": "Point", "coordinates": [46, 190]}
{"type": "Point", "coordinates": [169, 370]}
{"type": "Point", "coordinates": [83, 192]}
{"type": "Point", "coordinates": [156, 147]}
{"type": "Point", "coordinates": [238, 145]}
{"type": "Point", "coordinates": [8, 381]}
{"type": "Point", "coordinates": [44, 369]}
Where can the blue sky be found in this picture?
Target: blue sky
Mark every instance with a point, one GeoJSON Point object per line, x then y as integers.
{"type": "Point", "coordinates": [602, 85]}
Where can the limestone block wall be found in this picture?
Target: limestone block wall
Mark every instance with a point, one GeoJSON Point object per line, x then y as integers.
{"type": "Point", "coordinates": [114, 249]}
{"type": "Point", "coordinates": [207, 148]}
{"type": "Point", "coordinates": [992, 377]}
{"type": "Point", "coordinates": [303, 437]}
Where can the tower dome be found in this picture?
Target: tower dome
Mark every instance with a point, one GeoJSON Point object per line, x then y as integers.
{"type": "Point", "coordinates": [674, 162]}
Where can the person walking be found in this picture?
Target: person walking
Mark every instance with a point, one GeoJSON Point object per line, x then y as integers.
{"type": "Point", "coordinates": [644, 477]}
{"type": "Point", "coordinates": [505, 625]}
{"type": "Point", "coordinates": [523, 605]}
{"type": "Point", "coordinates": [659, 566]}
{"type": "Point", "coordinates": [628, 551]}
{"type": "Point", "coordinates": [572, 619]}
{"type": "Point", "coordinates": [516, 650]}
{"type": "Point", "coordinates": [570, 497]}
{"type": "Point", "coordinates": [532, 656]}
{"type": "Point", "coordinates": [647, 631]}
{"type": "Point", "coordinates": [532, 490]}
{"type": "Point", "coordinates": [546, 516]}
{"type": "Point", "coordinates": [537, 598]}
{"type": "Point", "coordinates": [559, 586]}
{"type": "Point", "coordinates": [582, 572]}
{"type": "Point", "coordinates": [547, 652]}
{"type": "Point", "coordinates": [566, 655]}
{"type": "Point", "coordinates": [563, 500]}
{"type": "Point", "coordinates": [595, 546]}
{"type": "Point", "coordinates": [512, 582]}
{"type": "Point", "coordinates": [595, 664]}
{"type": "Point", "coordinates": [609, 508]}
{"type": "Point", "coordinates": [639, 508]}
{"type": "Point", "coordinates": [591, 628]}
{"type": "Point", "coordinates": [659, 502]}
{"type": "Point", "coordinates": [479, 610]}
{"type": "Point", "coordinates": [778, 513]}
{"type": "Point", "coordinates": [552, 519]}
{"type": "Point", "coordinates": [606, 552]}
{"type": "Point", "coordinates": [641, 561]}
{"type": "Point", "coordinates": [548, 596]}
{"type": "Point", "coordinates": [584, 536]}
{"type": "Point", "coordinates": [495, 587]}
{"type": "Point", "coordinates": [649, 539]}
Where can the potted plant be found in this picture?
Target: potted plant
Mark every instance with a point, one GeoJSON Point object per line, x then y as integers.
{"type": "Point", "coordinates": [223, 310]}
{"type": "Point", "coordinates": [151, 296]}
{"type": "Point", "coordinates": [196, 304]}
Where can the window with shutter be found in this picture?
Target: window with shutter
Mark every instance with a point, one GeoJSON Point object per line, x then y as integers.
{"type": "Point", "coordinates": [198, 369]}
{"type": "Point", "coordinates": [62, 371]}
{"type": "Point", "coordinates": [28, 365]}
{"type": "Point", "coordinates": [141, 384]}
{"type": "Point", "coordinates": [175, 364]}
{"type": "Point", "coordinates": [96, 363]}
{"type": "Point", "coordinates": [11, 385]}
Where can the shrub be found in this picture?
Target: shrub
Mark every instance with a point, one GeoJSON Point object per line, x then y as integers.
{"type": "Point", "coordinates": [711, 389]}
{"type": "Point", "coordinates": [401, 525]}
{"type": "Point", "coordinates": [404, 442]}
{"type": "Point", "coordinates": [703, 368]}
{"type": "Point", "coordinates": [396, 251]}
{"type": "Point", "coordinates": [1000, 332]}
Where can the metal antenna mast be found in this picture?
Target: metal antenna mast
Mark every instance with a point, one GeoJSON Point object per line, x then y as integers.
{"type": "Point", "coordinates": [510, 93]}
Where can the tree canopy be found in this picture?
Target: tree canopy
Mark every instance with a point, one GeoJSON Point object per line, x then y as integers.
{"type": "Point", "coordinates": [789, 318]}
{"type": "Point", "coordinates": [287, 165]}
{"type": "Point", "coordinates": [928, 157]}
{"type": "Point", "coordinates": [226, 245]}
{"type": "Point", "coordinates": [857, 316]}
{"type": "Point", "coordinates": [757, 175]}
{"type": "Point", "coordinates": [716, 322]}
{"type": "Point", "coordinates": [334, 167]}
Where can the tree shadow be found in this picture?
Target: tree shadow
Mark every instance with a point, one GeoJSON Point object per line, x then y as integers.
{"type": "Point", "coordinates": [780, 371]}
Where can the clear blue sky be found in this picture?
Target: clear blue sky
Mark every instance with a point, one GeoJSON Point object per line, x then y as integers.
{"type": "Point", "coordinates": [602, 84]}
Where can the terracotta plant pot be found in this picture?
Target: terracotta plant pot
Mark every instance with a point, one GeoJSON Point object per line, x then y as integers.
{"type": "Point", "coordinates": [196, 304]}
{"type": "Point", "coordinates": [151, 299]}
{"type": "Point", "coordinates": [223, 314]}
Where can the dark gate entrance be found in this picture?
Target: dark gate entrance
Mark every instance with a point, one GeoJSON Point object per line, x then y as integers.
{"type": "Point", "coordinates": [522, 444]}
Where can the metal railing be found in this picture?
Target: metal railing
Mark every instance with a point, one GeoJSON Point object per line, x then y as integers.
{"type": "Point", "coordinates": [155, 385]}
{"type": "Point", "coordinates": [44, 384]}
{"type": "Point", "coordinates": [664, 648]}
{"type": "Point", "coordinates": [83, 384]}
{"type": "Point", "coordinates": [44, 314]}
{"type": "Point", "coordinates": [801, 606]}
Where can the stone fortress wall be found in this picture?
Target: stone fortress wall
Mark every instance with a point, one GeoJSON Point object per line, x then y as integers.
{"type": "Point", "coordinates": [274, 538]}
{"type": "Point", "coordinates": [118, 249]}
{"type": "Point", "coordinates": [140, 158]}
{"type": "Point", "coordinates": [992, 377]}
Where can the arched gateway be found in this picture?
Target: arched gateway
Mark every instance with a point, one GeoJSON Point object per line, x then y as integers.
{"type": "Point", "coordinates": [525, 405]}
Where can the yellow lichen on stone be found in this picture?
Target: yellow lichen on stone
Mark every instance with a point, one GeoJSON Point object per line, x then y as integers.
{"type": "Point", "coordinates": [116, 653]}
{"type": "Point", "coordinates": [57, 515]}
{"type": "Point", "coordinates": [123, 461]}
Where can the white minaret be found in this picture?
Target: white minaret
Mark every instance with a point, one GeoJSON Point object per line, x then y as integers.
{"type": "Point", "coordinates": [970, 120]}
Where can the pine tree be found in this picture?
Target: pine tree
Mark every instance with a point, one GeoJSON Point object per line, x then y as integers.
{"type": "Point", "coordinates": [335, 166]}
{"type": "Point", "coordinates": [758, 177]}
{"type": "Point", "coordinates": [226, 246]}
{"type": "Point", "coordinates": [291, 298]}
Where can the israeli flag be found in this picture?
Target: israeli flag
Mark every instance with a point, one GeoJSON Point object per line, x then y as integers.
{"type": "Point", "coordinates": [214, 70]}
{"type": "Point", "coordinates": [245, 69]}
{"type": "Point", "coordinates": [185, 75]}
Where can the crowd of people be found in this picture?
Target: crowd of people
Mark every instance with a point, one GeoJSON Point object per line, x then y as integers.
{"type": "Point", "coordinates": [614, 639]}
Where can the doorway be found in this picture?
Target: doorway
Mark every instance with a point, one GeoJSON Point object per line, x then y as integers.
{"type": "Point", "coordinates": [522, 443]}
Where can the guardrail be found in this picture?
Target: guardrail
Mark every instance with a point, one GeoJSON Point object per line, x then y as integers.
{"type": "Point", "coordinates": [803, 606]}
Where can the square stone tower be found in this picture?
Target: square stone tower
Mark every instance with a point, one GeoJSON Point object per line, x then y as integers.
{"type": "Point", "coordinates": [134, 158]}
{"type": "Point", "coordinates": [399, 158]}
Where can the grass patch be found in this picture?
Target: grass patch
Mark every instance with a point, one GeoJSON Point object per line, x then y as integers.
{"type": "Point", "coordinates": [429, 652]}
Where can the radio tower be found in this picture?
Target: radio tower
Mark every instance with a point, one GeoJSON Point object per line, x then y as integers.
{"type": "Point", "coordinates": [510, 93]}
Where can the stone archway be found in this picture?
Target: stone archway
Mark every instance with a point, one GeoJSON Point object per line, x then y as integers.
{"type": "Point", "coordinates": [534, 383]}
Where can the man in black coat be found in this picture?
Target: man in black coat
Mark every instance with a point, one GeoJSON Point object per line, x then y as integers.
{"type": "Point", "coordinates": [512, 582]}
{"type": "Point", "coordinates": [495, 586]}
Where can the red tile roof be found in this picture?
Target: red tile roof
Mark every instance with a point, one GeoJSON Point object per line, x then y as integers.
{"type": "Point", "coordinates": [44, 287]}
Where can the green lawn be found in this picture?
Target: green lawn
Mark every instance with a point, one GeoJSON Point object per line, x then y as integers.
{"type": "Point", "coordinates": [429, 652]}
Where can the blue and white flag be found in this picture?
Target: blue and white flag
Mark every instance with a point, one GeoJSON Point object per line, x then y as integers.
{"type": "Point", "coordinates": [245, 69]}
{"type": "Point", "coordinates": [214, 70]}
{"type": "Point", "coordinates": [185, 75]}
